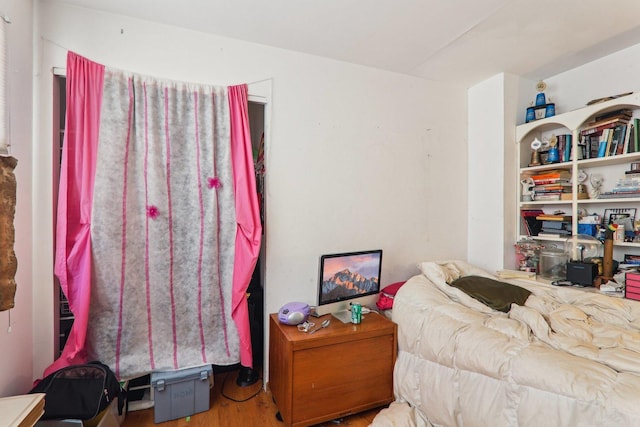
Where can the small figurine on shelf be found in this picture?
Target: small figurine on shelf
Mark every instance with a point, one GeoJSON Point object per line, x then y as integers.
{"type": "Point", "coordinates": [596, 184]}
{"type": "Point", "coordinates": [535, 154]}
{"type": "Point", "coordinates": [553, 155]}
{"type": "Point", "coordinates": [550, 109]}
{"type": "Point", "coordinates": [541, 100]}
{"type": "Point", "coordinates": [583, 193]}
{"type": "Point", "coordinates": [527, 189]}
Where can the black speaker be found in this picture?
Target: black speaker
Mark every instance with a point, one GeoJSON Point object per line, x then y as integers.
{"type": "Point", "coordinates": [582, 273]}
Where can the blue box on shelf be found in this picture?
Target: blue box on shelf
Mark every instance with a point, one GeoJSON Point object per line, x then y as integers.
{"type": "Point", "coordinates": [590, 229]}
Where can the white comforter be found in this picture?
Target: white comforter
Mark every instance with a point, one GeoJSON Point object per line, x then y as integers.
{"type": "Point", "coordinates": [567, 358]}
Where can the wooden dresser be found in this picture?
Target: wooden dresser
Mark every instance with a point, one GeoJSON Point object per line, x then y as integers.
{"type": "Point", "coordinates": [335, 372]}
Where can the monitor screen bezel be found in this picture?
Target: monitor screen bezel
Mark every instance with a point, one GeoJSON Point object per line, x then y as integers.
{"type": "Point", "coordinates": [324, 258]}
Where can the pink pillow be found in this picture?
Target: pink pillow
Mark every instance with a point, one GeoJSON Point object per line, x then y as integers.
{"type": "Point", "coordinates": [385, 300]}
{"type": "Point", "coordinates": [392, 289]}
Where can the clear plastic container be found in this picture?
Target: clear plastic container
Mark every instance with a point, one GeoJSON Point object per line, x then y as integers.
{"type": "Point", "coordinates": [553, 263]}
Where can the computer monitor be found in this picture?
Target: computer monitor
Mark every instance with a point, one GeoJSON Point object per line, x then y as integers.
{"type": "Point", "coordinates": [347, 278]}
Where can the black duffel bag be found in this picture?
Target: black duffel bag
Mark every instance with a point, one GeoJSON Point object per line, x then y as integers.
{"type": "Point", "coordinates": [80, 391]}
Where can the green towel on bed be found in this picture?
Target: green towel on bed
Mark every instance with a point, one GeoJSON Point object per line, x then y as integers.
{"type": "Point", "coordinates": [493, 293]}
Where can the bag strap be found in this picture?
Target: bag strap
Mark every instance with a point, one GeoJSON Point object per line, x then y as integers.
{"type": "Point", "coordinates": [111, 377]}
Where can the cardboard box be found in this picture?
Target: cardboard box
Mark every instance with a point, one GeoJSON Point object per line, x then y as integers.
{"type": "Point", "coordinates": [108, 417]}
{"type": "Point", "coordinates": [181, 393]}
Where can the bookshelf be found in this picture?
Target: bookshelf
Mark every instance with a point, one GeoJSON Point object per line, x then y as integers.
{"type": "Point", "coordinates": [580, 128]}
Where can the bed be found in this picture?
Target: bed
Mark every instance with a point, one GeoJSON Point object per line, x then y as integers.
{"type": "Point", "coordinates": [559, 357]}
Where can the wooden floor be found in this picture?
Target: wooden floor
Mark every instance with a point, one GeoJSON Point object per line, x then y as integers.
{"type": "Point", "coordinates": [257, 411]}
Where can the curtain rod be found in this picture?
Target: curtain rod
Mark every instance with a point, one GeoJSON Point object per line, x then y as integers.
{"type": "Point", "coordinates": [60, 71]}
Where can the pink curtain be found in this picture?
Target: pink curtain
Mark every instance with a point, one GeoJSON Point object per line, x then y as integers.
{"type": "Point", "coordinates": [73, 263]}
{"type": "Point", "coordinates": [249, 230]}
{"type": "Point", "coordinates": [73, 225]}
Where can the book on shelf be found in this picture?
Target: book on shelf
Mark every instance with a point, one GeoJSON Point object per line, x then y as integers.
{"type": "Point", "coordinates": [607, 120]}
{"type": "Point", "coordinates": [550, 181]}
{"type": "Point", "coordinates": [553, 234]}
{"type": "Point", "coordinates": [548, 197]}
{"type": "Point", "coordinates": [611, 142]}
{"type": "Point", "coordinates": [552, 177]}
{"type": "Point", "coordinates": [589, 146]}
{"type": "Point", "coordinates": [562, 143]}
{"type": "Point", "coordinates": [554, 173]}
{"type": "Point", "coordinates": [602, 149]}
{"type": "Point", "coordinates": [555, 225]}
{"type": "Point", "coordinates": [621, 113]}
{"type": "Point", "coordinates": [554, 186]}
{"type": "Point", "coordinates": [601, 126]}
{"type": "Point", "coordinates": [616, 195]}
{"type": "Point", "coordinates": [532, 225]}
{"type": "Point", "coordinates": [632, 259]}
{"type": "Point", "coordinates": [607, 137]}
{"type": "Point", "coordinates": [561, 231]}
{"type": "Point", "coordinates": [633, 178]}
{"type": "Point", "coordinates": [568, 147]}
{"type": "Point", "coordinates": [629, 179]}
{"type": "Point", "coordinates": [538, 194]}
{"type": "Point", "coordinates": [553, 196]}
{"type": "Point", "coordinates": [636, 135]}
{"type": "Point", "coordinates": [553, 189]}
{"type": "Point", "coordinates": [627, 137]}
{"type": "Point", "coordinates": [617, 140]}
{"type": "Point", "coordinates": [626, 189]}
{"type": "Point", "coordinates": [561, 192]}
{"type": "Point", "coordinates": [630, 183]}
{"type": "Point", "coordinates": [595, 145]}
{"type": "Point", "coordinates": [553, 217]}
{"type": "Point", "coordinates": [564, 147]}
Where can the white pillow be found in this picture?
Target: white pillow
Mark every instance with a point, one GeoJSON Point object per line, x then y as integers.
{"type": "Point", "coordinates": [450, 270]}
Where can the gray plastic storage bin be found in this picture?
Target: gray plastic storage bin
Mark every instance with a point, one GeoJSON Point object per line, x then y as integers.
{"type": "Point", "coordinates": [181, 393]}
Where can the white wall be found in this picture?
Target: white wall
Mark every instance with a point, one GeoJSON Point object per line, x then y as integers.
{"type": "Point", "coordinates": [486, 155]}
{"type": "Point", "coordinates": [16, 346]}
{"type": "Point", "coordinates": [494, 107]}
{"type": "Point", "coordinates": [356, 158]}
{"type": "Point", "coordinates": [611, 75]}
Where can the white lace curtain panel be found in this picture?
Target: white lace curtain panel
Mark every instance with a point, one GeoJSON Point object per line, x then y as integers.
{"type": "Point", "coordinates": [163, 227]}
{"type": "Point", "coordinates": [158, 220]}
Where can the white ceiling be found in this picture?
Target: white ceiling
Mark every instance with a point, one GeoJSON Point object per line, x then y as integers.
{"type": "Point", "coordinates": [460, 41]}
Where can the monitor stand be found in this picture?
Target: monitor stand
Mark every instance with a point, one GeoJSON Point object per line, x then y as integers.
{"type": "Point", "coordinates": [343, 315]}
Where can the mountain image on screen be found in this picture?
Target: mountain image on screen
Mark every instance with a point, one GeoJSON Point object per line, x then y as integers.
{"type": "Point", "coordinates": [345, 283]}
